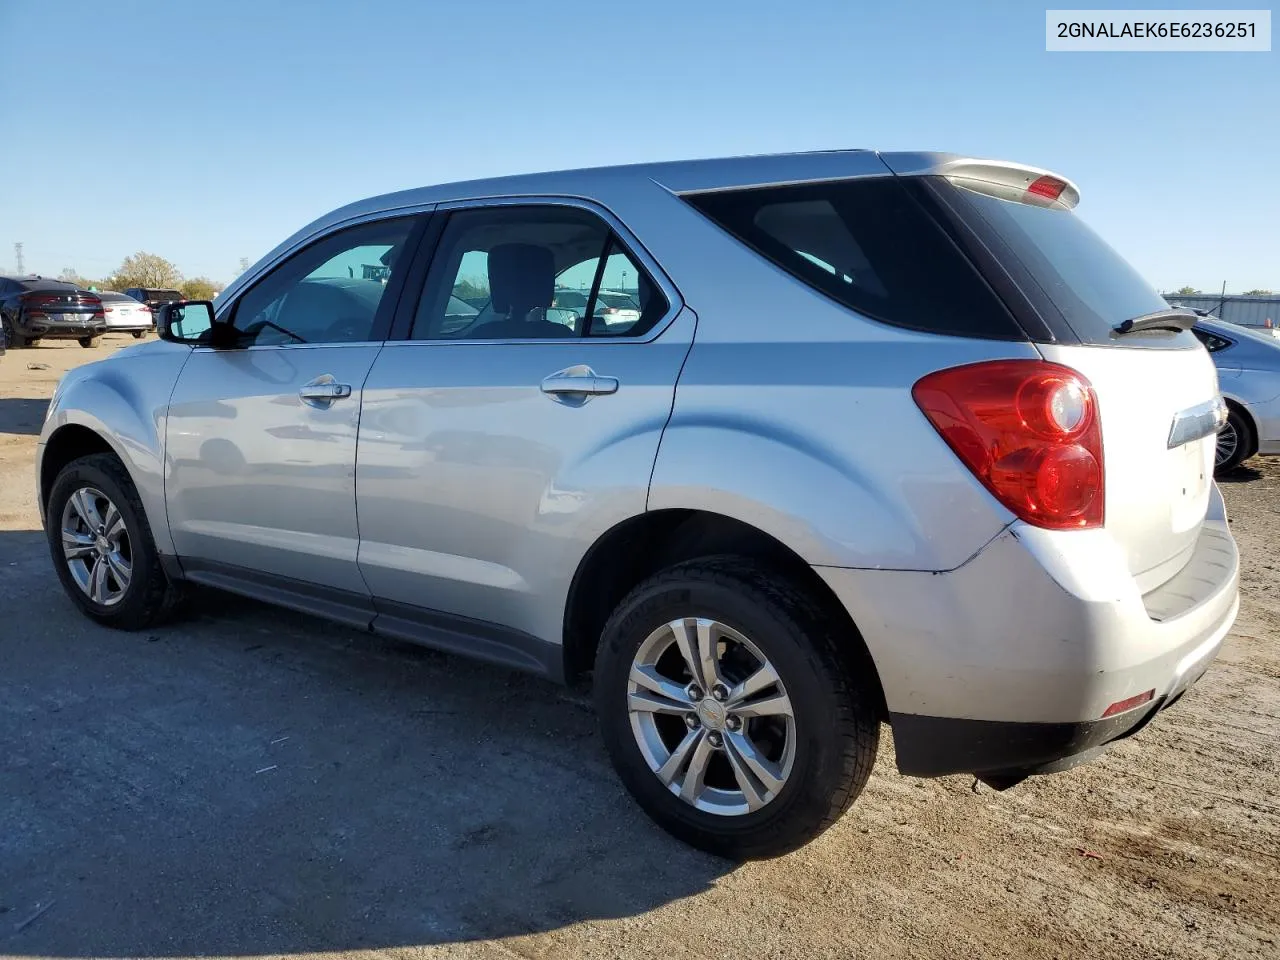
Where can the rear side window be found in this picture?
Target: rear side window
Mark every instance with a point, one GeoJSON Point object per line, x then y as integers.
{"type": "Point", "coordinates": [1212, 342]}
{"type": "Point", "coordinates": [534, 273]}
{"type": "Point", "coordinates": [869, 245]}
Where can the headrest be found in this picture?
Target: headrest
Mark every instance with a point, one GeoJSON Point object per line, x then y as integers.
{"type": "Point", "coordinates": [521, 276]}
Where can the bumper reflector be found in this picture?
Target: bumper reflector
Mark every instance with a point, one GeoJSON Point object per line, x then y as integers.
{"type": "Point", "coordinates": [1120, 706]}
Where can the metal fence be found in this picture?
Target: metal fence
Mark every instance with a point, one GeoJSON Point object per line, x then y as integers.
{"type": "Point", "coordinates": [1246, 311]}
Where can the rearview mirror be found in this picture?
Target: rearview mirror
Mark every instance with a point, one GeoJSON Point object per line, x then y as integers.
{"type": "Point", "coordinates": [186, 321]}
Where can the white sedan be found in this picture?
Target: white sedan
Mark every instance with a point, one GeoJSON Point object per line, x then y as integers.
{"type": "Point", "coordinates": [126, 315]}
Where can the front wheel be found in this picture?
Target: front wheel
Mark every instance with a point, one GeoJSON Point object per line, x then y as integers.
{"type": "Point", "coordinates": [88, 342]}
{"type": "Point", "coordinates": [139, 334]}
{"type": "Point", "coordinates": [730, 711]}
{"type": "Point", "coordinates": [102, 546]}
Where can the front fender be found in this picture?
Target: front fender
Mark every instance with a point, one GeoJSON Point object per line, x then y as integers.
{"type": "Point", "coordinates": [123, 401]}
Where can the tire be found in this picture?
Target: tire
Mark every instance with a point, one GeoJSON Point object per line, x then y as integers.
{"type": "Point", "coordinates": [149, 596]}
{"type": "Point", "coordinates": [139, 334]}
{"type": "Point", "coordinates": [88, 342]}
{"type": "Point", "coordinates": [1235, 442]}
{"type": "Point", "coordinates": [834, 732]}
{"type": "Point", "coordinates": [16, 342]}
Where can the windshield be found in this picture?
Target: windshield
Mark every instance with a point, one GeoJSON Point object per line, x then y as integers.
{"type": "Point", "coordinates": [1093, 287]}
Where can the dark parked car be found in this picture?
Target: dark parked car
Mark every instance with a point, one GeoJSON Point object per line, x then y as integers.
{"type": "Point", "coordinates": [36, 308]}
{"type": "Point", "coordinates": [153, 297]}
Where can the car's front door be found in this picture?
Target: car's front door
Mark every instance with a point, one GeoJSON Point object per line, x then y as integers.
{"type": "Point", "coordinates": [519, 420]}
{"type": "Point", "coordinates": [261, 436]}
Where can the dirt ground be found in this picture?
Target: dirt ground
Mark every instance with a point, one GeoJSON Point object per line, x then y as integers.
{"type": "Point", "coordinates": [252, 782]}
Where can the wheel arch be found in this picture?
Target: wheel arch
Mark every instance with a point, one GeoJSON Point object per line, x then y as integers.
{"type": "Point", "coordinates": [1251, 446]}
{"type": "Point", "coordinates": [109, 413]}
{"type": "Point", "coordinates": [637, 548]}
{"type": "Point", "coordinates": [67, 443]}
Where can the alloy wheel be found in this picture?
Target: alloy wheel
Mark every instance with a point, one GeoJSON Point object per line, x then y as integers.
{"type": "Point", "coordinates": [1228, 441]}
{"type": "Point", "coordinates": [711, 716]}
{"type": "Point", "coordinates": [95, 543]}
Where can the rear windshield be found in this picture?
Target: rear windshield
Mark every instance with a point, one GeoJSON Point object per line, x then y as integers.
{"type": "Point", "coordinates": [163, 295]}
{"type": "Point", "coordinates": [1091, 285]}
{"type": "Point", "coordinates": [869, 245]}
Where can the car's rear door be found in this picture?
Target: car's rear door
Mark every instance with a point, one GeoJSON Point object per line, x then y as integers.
{"type": "Point", "coordinates": [496, 445]}
{"type": "Point", "coordinates": [261, 437]}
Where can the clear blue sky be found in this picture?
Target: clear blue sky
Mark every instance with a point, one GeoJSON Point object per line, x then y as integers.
{"type": "Point", "coordinates": [208, 131]}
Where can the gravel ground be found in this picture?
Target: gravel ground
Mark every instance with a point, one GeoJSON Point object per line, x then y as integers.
{"type": "Point", "coordinates": [252, 782]}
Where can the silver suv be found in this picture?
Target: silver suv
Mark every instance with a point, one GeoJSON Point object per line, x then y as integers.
{"type": "Point", "coordinates": [887, 438]}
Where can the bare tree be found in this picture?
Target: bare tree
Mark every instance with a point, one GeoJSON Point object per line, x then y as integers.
{"type": "Point", "coordinates": [147, 270]}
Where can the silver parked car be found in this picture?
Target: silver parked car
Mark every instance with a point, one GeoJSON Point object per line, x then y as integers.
{"type": "Point", "coordinates": [890, 438]}
{"type": "Point", "coordinates": [1248, 363]}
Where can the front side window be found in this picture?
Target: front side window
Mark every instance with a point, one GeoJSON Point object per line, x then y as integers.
{"type": "Point", "coordinates": [534, 273]}
{"type": "Point", "coordinates": [331, 292]}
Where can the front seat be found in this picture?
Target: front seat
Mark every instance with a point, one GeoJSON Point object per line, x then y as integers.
{"type": "Point", "coordinates": [522, 281]}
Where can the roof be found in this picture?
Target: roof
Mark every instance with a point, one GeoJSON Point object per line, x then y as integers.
{"type": "Point", "coordinates": [679, 177]}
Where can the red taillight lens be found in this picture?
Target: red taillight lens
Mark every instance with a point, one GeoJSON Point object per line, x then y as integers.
{"type": "Point", "coordinates": [1030, 433]}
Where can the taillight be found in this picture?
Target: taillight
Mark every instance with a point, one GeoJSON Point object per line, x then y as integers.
{"type": "Point", "coordinates": [1048, 187]}
{"type": "Point", "coordinates": [1029, 431]}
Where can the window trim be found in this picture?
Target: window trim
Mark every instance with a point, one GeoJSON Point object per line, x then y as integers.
{"type": "Point", "coordinates": [623, 238]}
{"type": "Point", "coordinates": [384, 319]}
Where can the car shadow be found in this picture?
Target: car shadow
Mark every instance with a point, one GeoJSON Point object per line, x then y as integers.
{"type": "Point", "coordinates": [22, 415]}
{"type": "Point", "coordinates": [1240, 474]}
{"type": "Point", "coordinates": [248, 781]}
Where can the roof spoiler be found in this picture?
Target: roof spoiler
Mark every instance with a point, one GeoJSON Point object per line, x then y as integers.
{"type": "Point", "coordinates": [1000, 178]}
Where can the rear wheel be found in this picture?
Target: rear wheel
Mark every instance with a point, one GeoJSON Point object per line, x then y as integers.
{"type": "Point", "coordinates": [102, 546]}
{"type": "Point", "coordinates": [729, 712]}
{"type": "Point", "coordinates": [1234, 441]}
{"type": "Point", "coordinates": [139, 334]}
{"type": "Point", "coordinates": [15, 342]}
{"type": "Point", "coordinates": [88, 342]}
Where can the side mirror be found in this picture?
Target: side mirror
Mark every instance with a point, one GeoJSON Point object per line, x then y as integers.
{"type": "Point", "coordinates": [186, 321]}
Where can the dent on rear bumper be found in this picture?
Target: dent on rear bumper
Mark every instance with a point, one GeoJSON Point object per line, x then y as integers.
{"type": "Point", "coordinates": [1038, 628]}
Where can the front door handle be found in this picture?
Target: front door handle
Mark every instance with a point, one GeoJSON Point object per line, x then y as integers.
{"type": "Point", "coordinates": [323, 390]}
{"type": "Point", "coordinates": [580, 381]}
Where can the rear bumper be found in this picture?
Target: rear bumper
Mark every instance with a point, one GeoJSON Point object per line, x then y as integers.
{"type": "Point", "coordinates": [47, 329]}
{"type": "Point", "coordinates": [1008, 663]}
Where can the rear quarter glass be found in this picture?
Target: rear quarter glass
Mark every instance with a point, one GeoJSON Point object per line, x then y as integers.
{"type": "Point", "coordinates": [870, 245]}
{"type": "Point", "coordinates": [1081, 287]}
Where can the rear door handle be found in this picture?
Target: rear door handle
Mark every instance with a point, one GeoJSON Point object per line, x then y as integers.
{"type": "Point", "coordinates": [323, 390]}
{"type": "Point", "coordinates": [579, 381]}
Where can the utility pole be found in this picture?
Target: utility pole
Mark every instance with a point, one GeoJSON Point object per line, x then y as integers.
{"type": "Point", "coordinates": [244, 264]}
{"type": "Point", "coordinates": [17, 259]}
